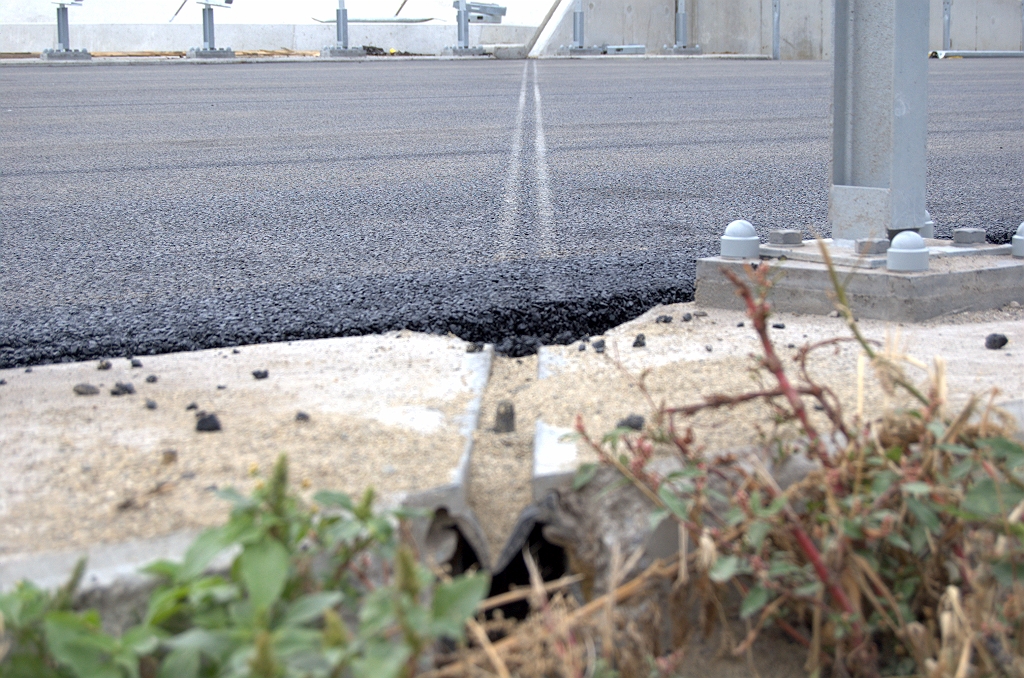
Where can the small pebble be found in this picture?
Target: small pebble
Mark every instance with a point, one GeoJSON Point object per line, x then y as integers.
{"type": "Point", "coordinates": [833, 314]}
{"type": "Point", "coordinates": [687, 317]}
{"type": "Point", "coordinates": [475, 347]}
{"type": "Point", "coordinates": [791, 345]}
{"type": "Point", "coordinates": [779, 326]}
{"type": "Point", "coordinates": [136, 362]}
{"type": "Point", "coordinates": [85, 389]}
{"type": "Point", "coordinates": [121, 388]}
{"type": "Point", "coordinates": [260, 374]}
{"type": "Point", "coordinates": [1014, 304]}
{"type": "Point", "coordinates": [583, 346]}
{"type": "Point", "coordinates": [192, 406]}
{"type": "Point", "coordinates": [740, 324]}
{"type": "Point", "coordinates": [633, 421]}
{"type": "Point", "coordinates": [599, 345]}
{"type": "Point", "coordinates": [208, 423]}
{"type": "Point", "coordinates": [301, 416]}
{"type": "Point", "coordinates": [665, 319]}
{"type": "Point", "coordinates": [221, 387]}
{"type": "Point", "coordinates": [150, 404]}
{"type": "Point", "coordinates": [104, 365]}
{"type": "Point", "coordinates": [640, 341]}
{"type": "Point", "coordinates": [700, 314]}
{"type": "Point", "coordinates": [709, 348]}
{"type": "Point", "coordinates": [505, 417]}
{"type": "Point", "coordinates": [210, 488]}
{"type": "Point", "coordinates": [151, 379]}
{"type": "Point", "coordinates": [3, 382]}
{"type": "Point", "coordinates": [235, 351]}
{"type": "Point", "coordinates": [996, 341]}
{"type": "Point", "coordinates": [28, 370]}
{"type": "Point", "coordinates": [169, 456]}
{"type": "Point", "coordinates": [819, 407]}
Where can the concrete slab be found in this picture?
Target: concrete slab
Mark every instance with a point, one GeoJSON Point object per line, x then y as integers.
{"type": "Point", "coordinates": [951, 285]}
{"type": "Point", "coordinates": [846, 255]}
{"type": "Point", "coordinates": [98, 474]}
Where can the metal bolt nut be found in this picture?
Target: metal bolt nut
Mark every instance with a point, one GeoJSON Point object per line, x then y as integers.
{"type": "Point", "coordinates": [968, 236]}
{"type": "Point", "coordinates": [787, 237]}
{"type": "Point", "coordinates": [869, 246]}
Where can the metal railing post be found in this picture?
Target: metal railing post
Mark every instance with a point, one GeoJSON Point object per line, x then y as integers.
{"type": "Point", "coordinates": [577, 25]}
{"type": "Point", "coordinates": [342, 25]}
{"type": "Point", "coordinates": [463, 19]}
{"type": "Point", "coordinates": [947, 7]}
{"type": "Point", "coordinates": [63, 33]}
{"type": "Point", "coordinates": [682, 29]}
{"type": "Point", "coordinates": [776, 37]}
{"type": "Point", "coordinates": [208, 38]}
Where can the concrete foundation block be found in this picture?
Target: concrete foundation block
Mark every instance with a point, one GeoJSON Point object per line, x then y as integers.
{"type": "Point", "coordinates": [1018, 242]}
{"type": "Point", "coordinates": [342, 52]}
{"type": "Point", "coordinates": [786, 237]}
{"type": "Point", "coordinates": [968, 236]}
{"type": "Point", "coordinates": [869, 246]}
{"type": "Point", "coordinates": [465, 51]}
{"type": "Point", "coordinates": [681, 51]}
{"type": "Point", "coordinates": [952, 284]}
{"type": "Point", "coordinates": [219, 53]}
{"type": "Point", "coordinates": [65, 55]}
{"type": "Point", "coordinates": [586, 51]}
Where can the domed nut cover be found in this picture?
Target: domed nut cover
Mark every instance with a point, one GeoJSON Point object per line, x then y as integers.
{"type": "Point", "coordinates": [740, 241]}
{"type": "Point", "coordinates": [1018, 242]}
{"type": "Point", "coordinates": [907, 252]}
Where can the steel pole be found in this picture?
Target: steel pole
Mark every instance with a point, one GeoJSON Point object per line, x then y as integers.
{"type": "Point", "coordinates": [342, 25]}
{"type": "Point", "coordinates": [682, 29]}
{"type": "Point", "coordinates": [208, 40]}
{"type": "Point", "coordinates": [63, 34]}
{"type": "Point", "coordinates": [463, 19]}
{"type": "Point", "coordinates": [577, 25]}
{"type": "Point", "coordinates": [947, 7]}
{"type": "Point", "coordinates": [776, 38]}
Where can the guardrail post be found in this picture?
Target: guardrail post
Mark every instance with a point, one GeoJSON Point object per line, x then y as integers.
{"type": "Point", "coordinates": [947, 8]}
{"type": "Point", "coordinates": [64, 51]}
{"type": "Point", "coordinates": [577, 25]}
{"type": "Point", "coordinates": [776, 37]}
{"type": "Point", "coordinates": [463, 19]}
{"type": "Point", "coordinates": [879, 132]}
{"type": "Point", "coordinates": [208, 39]}
{"type": "Point", "coordinates": [342, 27]}
{"type": "Point", "coordinates": [63, 33]}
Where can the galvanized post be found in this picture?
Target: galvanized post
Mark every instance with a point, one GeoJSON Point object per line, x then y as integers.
{"type": "Point", "coordinates": [776, 38]}
{"type": "Point", "coordinates": [577, 25]}
{"type": "Point", "coordinates": [63, 33]}
{"type": "Point", "coordinates": [463, 19]}
{"type": "Point", "coordinates": [682, 29]}
{"type": "Point", "coordinates": [208, 39]}
{"type": "Point", "coordinates": [947, 7]}
{"type": "Point", "coordinates": [342, 27]}
{"type": "Point", "coordinates": [879, 132]}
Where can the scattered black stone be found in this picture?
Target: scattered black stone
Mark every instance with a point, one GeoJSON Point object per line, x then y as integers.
{"type": "Point", "coordinates": [996, 341]}
{"type": "Point", "coordinates": [28, 370]}
{"type": "Point", "coordinates": [819, 407]}
{"type": "Point", "coordinates": [192, 406]}
{"type": "Point", "coordinates": [3, 382]}
{"type": "Point", "coordinates": [599, 345]}
{"type": "Point", "coordinates": [740, 324]}
{"type": "Point", "coordinates": [779, 326]}
{"type": "Point", "coordinates": [583, 346]}
{"type": "Point", "coordinates": [640, 341]}
{"type": "Point", "coordinates": [633, 421]}
{"type": "Point", "coordinates": [301, 416]}
{"type": "Point", "coordinates": [150, 404]}
{"type": "Point", "coordinates": [260, 374]}
{"type": "Point", "coordinates": [687, 317]}
{"type": "Point", "coordinates": [700, 314]}
{"type": "Point", "coordinates": [475, 347]}
{"type": "Point", "coordinates": [208, 423]}
{"type": "Point", "coordinates": [791, 345]}
{"type": "Point", "coordinates": [665, 319]}
{"type": "Point", "coordinates": [104, 365]}
{"type": "Point", "coordinates": [122, 388]}
{"type": "Point", "coordinates": [136, 362]}
{"type": "Point", "coordinates": [235, 351]}
{"type": "Point", "coordinates": [505, 417]}
{"type": "Point", "coordinates": [709, 348]}
{"type": "Point", "coordinates": [151, 379]}
{"type": "Point", "coordinates": [85, 389]}
{"type": "Point", "coordinates": [221, 387]}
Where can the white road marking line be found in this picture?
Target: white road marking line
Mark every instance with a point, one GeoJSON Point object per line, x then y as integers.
{"type": "Point", "coordinates": [512, 194]}
{"type": "Point", "coordinates": [545, 211]}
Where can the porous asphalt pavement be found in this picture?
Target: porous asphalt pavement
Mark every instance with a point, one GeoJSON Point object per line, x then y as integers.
{"type": "Point", "coordinates": [147, 209]}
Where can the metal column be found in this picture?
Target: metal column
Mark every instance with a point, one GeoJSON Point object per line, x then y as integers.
{"type": "Point", "coordinates": [577, 25]}
{"type": "Point", "coordinates": [342, 27]}
{"type": "Point", "coordinates": [682, 28]}
{"type": "Point", "coordinates": [947, 7]}
{"type": "Point", "coordinates": [880, 97]}
{"type": "Point", "coordinates": [463, 19]}
{"type": "Point", "coordinates": [776, 38]}
{"type": "Point", "coordinates": [63, 33]}
{"type": "Point", "coordinates": [208, 39]}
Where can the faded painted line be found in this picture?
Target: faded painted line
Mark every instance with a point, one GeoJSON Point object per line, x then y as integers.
{"type": "Point", "coordinates": [545, 211]}
{"type": "Point", "coordinates": [512, 193]}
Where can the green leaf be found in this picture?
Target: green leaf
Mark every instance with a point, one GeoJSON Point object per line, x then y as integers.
{"type": "Point", "coordinates": [455, 602]}
{"type": "Point", "coordinates": [264, 570]}
{"type": "Point", "coordinates": [77, 643]}
{"type": "Point", "coordinates": [937, 429]}
{"type": "Point", "coordinates": [925, 515]}
{"type": "Point", "coordinates": [205, 548]}
{"type": "Point", "coordinates": [310, 607]}
{"type": "Point", "coordinates": [779, 568]}
{"type": "Point", "coordinates": [181, 663]}
{"type": "Point", "coordinates": [962, 470]}
{"type": "Point", "coordinates": [673, 502]}
{"type": "Point", "coordinates": [584, 475]}
{"type": "Point", "coordinates": [377, 612]}
{"type": "Point", "coordinates": [724, 569]}
{"type": "Point", "coordinates": [656, 518]}
{"type": "Point", "coordinates": [163, 568]}
{"type": "Point", "coordinates": [756, 533]}
{"type": "Point", "coordinates": [899, 542]}
{"type": "Point", "coordinates": [142, 639]}
{"type": "Point", "coordinates": [1005, 450]}
{"type": "Point", "coordinates": [984, 498]}
{"type": "Point", "coordinates": [334, 500]}
{"type": "Point", "coordinates": [808, 590]}
{"type": "Point", "coordinates": [754, 601]}
{"type": "Point", "coordinates": [916, 489]}
{"type": "Point", "coordinates": [382, 660]}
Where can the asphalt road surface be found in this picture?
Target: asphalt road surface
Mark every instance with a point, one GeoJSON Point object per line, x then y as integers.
{"type": "Point", "coordinates": [146, 209]}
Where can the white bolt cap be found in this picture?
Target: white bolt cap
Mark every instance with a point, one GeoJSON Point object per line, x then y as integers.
{"type": "Point", "coordinates": [907, 252]}
{"type": "Point", "coordinates": [1018, 242]}
{"type": "Point", "coordinates": [928, 230]}
{"type": "Point", "coordinates": [740, 241]}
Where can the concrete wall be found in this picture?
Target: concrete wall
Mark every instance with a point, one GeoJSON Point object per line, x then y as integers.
{"type": "Point", "coordinates": [416, 38]}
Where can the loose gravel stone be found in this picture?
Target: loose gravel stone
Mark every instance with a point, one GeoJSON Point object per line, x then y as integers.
{"type": "Point", "coordinates": [474, 347]}
{"type": "Point", "coordinates": [996, 341]}
{"type": "Point", "coordinates": [151, 379]}
{"type": "Point", "coordinates": [599, 346]}
{"type": "Point", "coordinates": [150, 404]}
{"type": "Point", "coordinates": [740, 324]}
{"type": "Point", "coordinates": [136, 362]}
{"type": "Point", "coordinates": [665, 319]}
{"type": "Point", "coordinates": [640, 341]}
{"type": "Point", "coordinates": [709, 348]}
{"type": "Point", "coordinates": [779, 326]}
{"type": "Point", "coordinates": [192, 406]}
{"type": "Point", "coordinates": [122, 388]}
{"type": "Point", "coordinates": [208, 423]}
{"type": "Point", "coordinates": [221, 387]}
{"type": "Point", "coordinates": [633, 421]}
{"type": "Point", "coordinates": [28, 370]}
{"type": "Point", "coordinates": [583, 346]}
{"type": "Point", "coordinates": [301, 416]}
{"type": "Point", "coordinates": [85, 389]}
{"type": "Point", "coordinates": [687, 317]}
{"type": "Point", "coordinates": [104, 365]}
{"type": "Point", "coordinates": [3, 382]}
{"type": "Point", "coordinates": [260, 374]}
{"type": "Point", "coordinates": [700, 314]}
